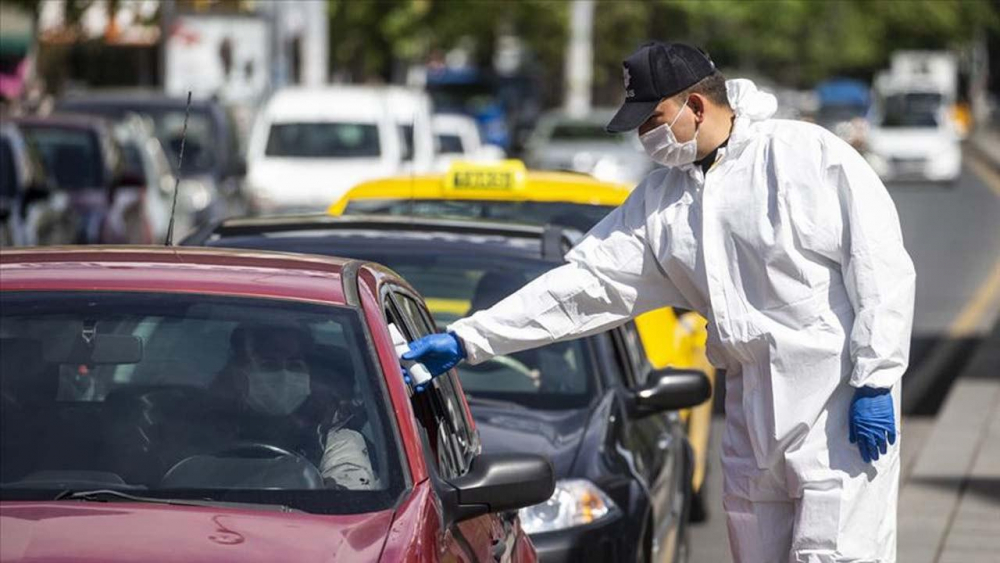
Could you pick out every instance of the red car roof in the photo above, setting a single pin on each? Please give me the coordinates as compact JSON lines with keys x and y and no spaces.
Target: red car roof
{"x":242,"y":273}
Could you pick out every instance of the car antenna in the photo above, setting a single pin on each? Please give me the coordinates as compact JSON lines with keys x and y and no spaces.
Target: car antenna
{"x":177,"y":181}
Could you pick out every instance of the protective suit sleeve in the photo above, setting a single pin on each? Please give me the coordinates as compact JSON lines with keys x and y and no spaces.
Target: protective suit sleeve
{"x":611,"y":276}
{"x":878,"y":272}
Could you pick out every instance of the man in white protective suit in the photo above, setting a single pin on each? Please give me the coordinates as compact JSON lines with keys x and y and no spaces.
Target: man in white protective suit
{"x":783,"y":237}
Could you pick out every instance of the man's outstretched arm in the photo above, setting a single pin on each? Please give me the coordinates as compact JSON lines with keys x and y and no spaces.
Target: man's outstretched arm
{"x":610,"y":276}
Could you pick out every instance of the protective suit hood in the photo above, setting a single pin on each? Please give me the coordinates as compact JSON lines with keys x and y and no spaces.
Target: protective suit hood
{"x":748,"y":102}
{"x":750,"y":106}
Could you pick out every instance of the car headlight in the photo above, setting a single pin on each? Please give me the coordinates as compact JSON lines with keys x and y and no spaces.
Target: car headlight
{"x":575,"y":502}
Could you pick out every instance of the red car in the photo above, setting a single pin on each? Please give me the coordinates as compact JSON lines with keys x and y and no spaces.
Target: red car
{"x":163,"y":404}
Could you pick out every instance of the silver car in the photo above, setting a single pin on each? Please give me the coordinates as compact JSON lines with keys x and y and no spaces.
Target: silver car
{"x":32,"y":211}
{"x":580,"y":144}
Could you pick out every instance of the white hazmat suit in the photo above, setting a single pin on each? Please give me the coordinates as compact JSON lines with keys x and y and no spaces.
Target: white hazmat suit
{"x":790,"y":246}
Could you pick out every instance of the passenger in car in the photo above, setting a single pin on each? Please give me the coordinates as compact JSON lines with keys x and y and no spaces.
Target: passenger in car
{"x":297,"y":396}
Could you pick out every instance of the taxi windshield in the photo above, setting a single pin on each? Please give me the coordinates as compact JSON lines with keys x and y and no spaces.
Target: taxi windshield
{"x":194,"y":397}
{"x":578,"y":216}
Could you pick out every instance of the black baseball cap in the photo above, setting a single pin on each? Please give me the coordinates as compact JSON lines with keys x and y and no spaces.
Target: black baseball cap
{"x":657,"y":70}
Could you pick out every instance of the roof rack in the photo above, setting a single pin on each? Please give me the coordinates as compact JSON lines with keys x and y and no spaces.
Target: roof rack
{"x":555,"y":240}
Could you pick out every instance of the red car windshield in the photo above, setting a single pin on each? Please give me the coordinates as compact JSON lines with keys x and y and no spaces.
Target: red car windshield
{"x":193,"y":396}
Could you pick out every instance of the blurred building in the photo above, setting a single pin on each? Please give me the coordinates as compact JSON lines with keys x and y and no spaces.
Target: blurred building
{"x":236,"y":50}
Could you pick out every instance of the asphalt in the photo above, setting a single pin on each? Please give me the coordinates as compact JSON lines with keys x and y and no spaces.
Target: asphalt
{"x":949,"y":506}
{"x":952,"y":233}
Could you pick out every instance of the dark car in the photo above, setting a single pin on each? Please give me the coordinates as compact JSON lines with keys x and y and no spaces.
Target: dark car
{"x":82,"y":158}
{"x":213,"y":162}
{"x":593,"y":405}
{"x":177,"y":405}
{"x":32,"y":212}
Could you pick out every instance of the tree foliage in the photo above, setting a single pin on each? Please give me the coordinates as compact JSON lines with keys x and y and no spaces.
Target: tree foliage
{"x":368,"y":38}
{"x":795,"y":42}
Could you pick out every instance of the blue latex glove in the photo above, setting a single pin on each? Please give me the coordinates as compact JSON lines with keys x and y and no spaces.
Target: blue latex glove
{"x":437,"y":352}
{"x":873,"y":422}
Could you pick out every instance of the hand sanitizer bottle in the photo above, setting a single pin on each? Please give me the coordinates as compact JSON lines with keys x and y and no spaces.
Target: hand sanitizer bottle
{"x":418,"y":372}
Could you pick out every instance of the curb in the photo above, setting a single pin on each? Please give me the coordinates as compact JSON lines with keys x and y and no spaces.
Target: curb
{"x":979,"y":143}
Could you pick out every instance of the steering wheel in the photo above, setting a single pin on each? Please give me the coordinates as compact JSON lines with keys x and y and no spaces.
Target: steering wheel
{"x":297,"y":464}
{"x":508,"y":362}
{"x":260,"y":448}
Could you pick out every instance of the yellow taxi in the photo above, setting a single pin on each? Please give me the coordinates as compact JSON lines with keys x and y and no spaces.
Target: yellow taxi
{"x":506,"y":190}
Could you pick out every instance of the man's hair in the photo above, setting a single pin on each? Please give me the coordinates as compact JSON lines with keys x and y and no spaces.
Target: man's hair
{"x":712,"y":87}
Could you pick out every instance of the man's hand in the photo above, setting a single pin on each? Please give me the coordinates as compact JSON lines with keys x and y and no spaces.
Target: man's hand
{"x":872,"y":422}
{"x":437,"y":352}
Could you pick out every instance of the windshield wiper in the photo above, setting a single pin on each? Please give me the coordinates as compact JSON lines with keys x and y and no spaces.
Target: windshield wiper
{"x":111,"y":495}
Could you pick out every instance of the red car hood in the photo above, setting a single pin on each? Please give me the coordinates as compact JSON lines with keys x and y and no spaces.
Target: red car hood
{"x":110,"y":533}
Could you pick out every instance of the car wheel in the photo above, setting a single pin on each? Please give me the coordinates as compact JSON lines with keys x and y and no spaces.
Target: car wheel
{"x":699,"y":508}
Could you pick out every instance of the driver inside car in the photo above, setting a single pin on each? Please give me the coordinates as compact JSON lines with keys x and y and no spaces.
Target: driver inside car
{"x":295,"y":396}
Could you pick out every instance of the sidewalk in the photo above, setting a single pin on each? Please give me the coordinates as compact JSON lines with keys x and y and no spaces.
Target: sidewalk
{"x":949,"y":507}
{"x":986,"y":141}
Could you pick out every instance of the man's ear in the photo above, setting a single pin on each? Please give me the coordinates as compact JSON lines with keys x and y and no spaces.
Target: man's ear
{"x":697,"y":104}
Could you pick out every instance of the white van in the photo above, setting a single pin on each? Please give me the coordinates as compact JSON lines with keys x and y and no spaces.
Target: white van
{"x":309,"y":146}
{"x":912,"y":135}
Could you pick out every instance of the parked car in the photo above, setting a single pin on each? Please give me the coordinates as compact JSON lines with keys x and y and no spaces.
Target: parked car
{"x":508,"y":191}
{"x":595,"y":406}
{"x":309,"y":146}
{"x":83,"y":159}
{"x":913,"y":136}
{"x":580,"y":144}
{"x":457,"y":138}
{"x":145,"y":162}
{"x":32,"y":211}
{"x":214,"y":165}
{"x":168,"y":404}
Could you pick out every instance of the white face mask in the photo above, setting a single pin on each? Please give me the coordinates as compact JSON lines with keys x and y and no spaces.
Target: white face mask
{"x":663,"y":147}
{"x":277,"y":393}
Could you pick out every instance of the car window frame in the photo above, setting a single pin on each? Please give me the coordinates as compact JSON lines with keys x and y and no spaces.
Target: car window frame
{"x":450,"y":384}
{"x":631,"y":358}
{"x":429,"y":405}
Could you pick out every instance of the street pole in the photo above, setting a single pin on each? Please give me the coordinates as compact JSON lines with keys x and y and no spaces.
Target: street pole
{"x":580,"y":58}
{"x":168,"y":10}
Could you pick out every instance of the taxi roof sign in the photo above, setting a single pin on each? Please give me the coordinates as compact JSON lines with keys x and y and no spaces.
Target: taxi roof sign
{"x":502,"y":176}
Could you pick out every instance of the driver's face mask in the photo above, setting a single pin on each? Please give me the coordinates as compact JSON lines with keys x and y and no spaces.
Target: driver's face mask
{"x":277,"y":390}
